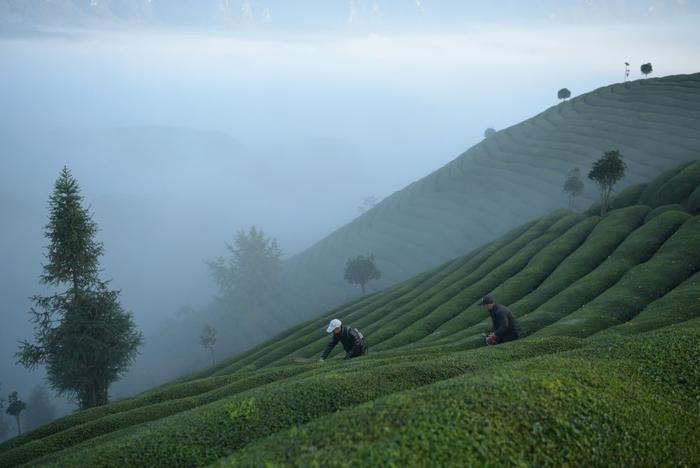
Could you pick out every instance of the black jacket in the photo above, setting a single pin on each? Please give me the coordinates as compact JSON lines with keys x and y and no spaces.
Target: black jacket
{"x":505,"y":327}
{"x":353,"y":342}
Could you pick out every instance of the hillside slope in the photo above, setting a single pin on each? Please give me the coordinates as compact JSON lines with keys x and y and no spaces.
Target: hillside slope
{"x":507,"y":179}
{"x":606,"y":374}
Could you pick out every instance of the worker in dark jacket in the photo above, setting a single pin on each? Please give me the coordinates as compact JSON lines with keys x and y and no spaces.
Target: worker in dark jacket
{"x":505,"y":327}
{"x":354,"y":343}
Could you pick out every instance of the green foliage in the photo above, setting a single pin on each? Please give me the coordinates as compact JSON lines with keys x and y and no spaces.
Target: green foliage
{"x":662,"y":209}
{"x":646,"y":69}
{"x":678,"y":258}
{"x":73,"y":254}
{"x":250,"y":274}
{"x":208,"y":339}
{"x":648,"y":196}
{"x":587,"y":407}
{"x":573,"y":186}
{"x":637,"y":248}
{"x":489,"y":132}
{"x":15,"y":406}
{"x":628,"y":197}
{"x":694,"y":201}
{"x":189,"y":437}
{"x":361,"y":270}
{"x":679,"y":188}
{"x":82,"y":335}
{"x":606,"y":172}
{"x":563,"y":94}
{"x":679,"y":305}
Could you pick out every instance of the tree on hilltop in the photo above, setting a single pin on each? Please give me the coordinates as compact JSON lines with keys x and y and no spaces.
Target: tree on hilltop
{"x":564,"y":94}
{"x":606,"y":172}
{"x":361,"y":270}
{"x":82,"y":335}
{"x":646,"y":69}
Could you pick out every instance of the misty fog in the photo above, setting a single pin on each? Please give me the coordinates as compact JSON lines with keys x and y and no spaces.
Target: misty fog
{"x":182,"y":133}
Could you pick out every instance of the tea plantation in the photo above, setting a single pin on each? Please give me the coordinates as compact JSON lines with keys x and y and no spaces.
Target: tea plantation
{"x":505,"y":180}
{"x":607,"y":373}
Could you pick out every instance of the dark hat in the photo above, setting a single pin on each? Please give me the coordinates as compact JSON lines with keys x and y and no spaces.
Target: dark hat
{"x":485,"y":300}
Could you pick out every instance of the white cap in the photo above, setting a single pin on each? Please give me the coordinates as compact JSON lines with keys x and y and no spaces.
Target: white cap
{"x":335,"y":323}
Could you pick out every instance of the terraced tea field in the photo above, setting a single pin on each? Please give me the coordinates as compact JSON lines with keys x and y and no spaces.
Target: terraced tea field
{"x":608,"y":372}
{"x":505,"y":180}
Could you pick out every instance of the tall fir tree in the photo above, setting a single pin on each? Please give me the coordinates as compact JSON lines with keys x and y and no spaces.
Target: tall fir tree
{"x":82,"y":335}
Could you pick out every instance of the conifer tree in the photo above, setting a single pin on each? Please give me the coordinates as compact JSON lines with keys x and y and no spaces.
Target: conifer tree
{"x":82,"y":335}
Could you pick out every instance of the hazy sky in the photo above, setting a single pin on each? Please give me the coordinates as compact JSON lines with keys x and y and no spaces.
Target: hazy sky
{"x":299,"y":111}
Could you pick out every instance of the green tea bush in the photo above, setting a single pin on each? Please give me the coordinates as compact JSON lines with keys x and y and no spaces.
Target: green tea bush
{"x":679,"y":305}
{"x":493,"y":270}
{"x":607,"y":235}
{"x":677,"y":259}
{"x":649,"y":195}
{"x":627,"y":197}
{"x":541,"y":262}
{"x":120,"y":417}
{"x":639,"y":247}
{"x":678,"y":189}
{"x":694,"y":201}
{"x":662,"y":209}
{"x":588,"y":407}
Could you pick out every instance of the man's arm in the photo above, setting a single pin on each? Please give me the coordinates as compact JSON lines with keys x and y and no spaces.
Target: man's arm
{"x":329,"y":347}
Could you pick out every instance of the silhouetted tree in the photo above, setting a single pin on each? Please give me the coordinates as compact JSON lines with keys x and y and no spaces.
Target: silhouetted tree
{"x":361,"y":270}
{"x":15,"y":406}
{"x":250,"y":274}
{"x":646,"y":69}
{"x":208,"y":340}
{"x":606,"y":172}
{"x":82,"y":335}
{"x":564,"y":94}
{"x":573,"y":186}
{"x":627,"y":70}
{"x":489,"y":132}
{"x":4,"y":427}
{"x":39,"y":408}
{"x":367,"y":204}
